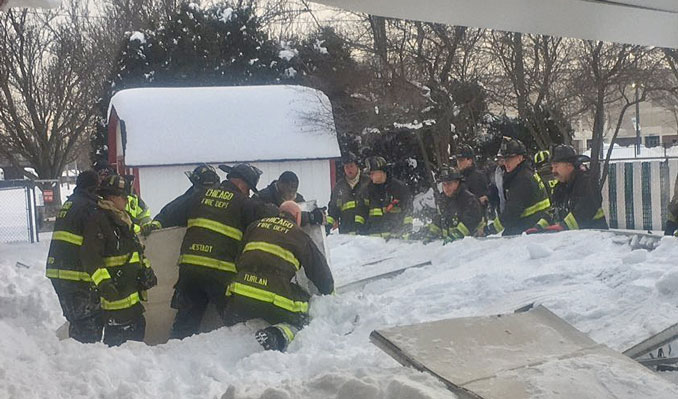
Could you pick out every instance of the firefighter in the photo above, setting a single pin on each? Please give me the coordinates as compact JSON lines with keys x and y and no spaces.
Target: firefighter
{"x":78,"y":296}
{"x":342,"y":209}
{"x":672,"y":213}
{"x":385,"y":204}
{"x":216,"y":219}
{"x":475,"y":181}
{"x":285,"y":189}
{"x":461,"y":213}
{"x":577,"y":201}
{"x":139,"y":212}
{"x":274,"y":249}
{"x":527,"y":200}
{"x":113,"y":256}
{"x":136,"y":207}
{"x":542,"y":162}
{"x":201,"y":178}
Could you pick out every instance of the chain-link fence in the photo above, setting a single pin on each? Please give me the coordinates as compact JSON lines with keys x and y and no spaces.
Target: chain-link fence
{"x":18,"y":219}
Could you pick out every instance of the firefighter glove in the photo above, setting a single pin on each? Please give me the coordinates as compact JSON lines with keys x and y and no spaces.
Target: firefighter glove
{"x":108,"y":290}
{"x":147,"y":278}
{"x":149,"y":227}
{"x":316,"y":216}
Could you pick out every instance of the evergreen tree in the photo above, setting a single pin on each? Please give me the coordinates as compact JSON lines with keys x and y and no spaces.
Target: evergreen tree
{"x":223,"y":45}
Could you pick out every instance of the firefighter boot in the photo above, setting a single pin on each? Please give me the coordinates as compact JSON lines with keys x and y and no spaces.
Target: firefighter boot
{"x":276,"y":337}
{"x":271,"y":338}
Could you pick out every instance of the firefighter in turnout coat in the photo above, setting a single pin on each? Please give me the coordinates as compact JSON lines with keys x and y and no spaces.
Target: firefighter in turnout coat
{"x":286,"y":189}
{"x":114,"y":258}
{"x":672,"y":213}
{"x":475,"y":181}
{"x":202,"y":177}
{"x":461,"y":213}
{"x":577,"y":202}
{"x":273,"y":250}
{"x":216,"y":219}
{"x":139,"y":212}
{"x":77,"y":294}
{"x":281,"y":190}
{"x":542,"y":163}
{"x":343,"y":206}
{"x":385,"y":203}
{"x":527,"y":199}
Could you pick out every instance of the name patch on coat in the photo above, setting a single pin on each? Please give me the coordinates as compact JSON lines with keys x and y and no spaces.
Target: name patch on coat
{"x":250,"y":278}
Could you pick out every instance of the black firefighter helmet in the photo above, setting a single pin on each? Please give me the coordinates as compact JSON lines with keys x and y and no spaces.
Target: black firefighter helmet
{"x":114,"y":185}
{"x":376,"y":163}
{"x":567,"y":153}
{"x":465,"y":151}
{"x":449,"y":174}
{"x":541,"y":158}
{"x":87,"y":180}
{"x":250,"y":174}
{"x":349,"y":158}
{"x":203,"y":175}
{"x":511,"y":147}
{"x":103,"y":168}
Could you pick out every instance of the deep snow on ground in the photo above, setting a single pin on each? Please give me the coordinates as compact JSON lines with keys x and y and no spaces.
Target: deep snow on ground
{"x":617,"y":295}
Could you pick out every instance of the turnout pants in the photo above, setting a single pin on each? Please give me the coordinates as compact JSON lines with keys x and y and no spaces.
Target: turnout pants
{"x":197,"y":287}
{"x":80,"y":306}
{"x":241,"y":308}
{"x":118,"y":332}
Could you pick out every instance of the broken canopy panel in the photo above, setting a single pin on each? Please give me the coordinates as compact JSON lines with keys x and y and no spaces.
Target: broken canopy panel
{"x":524,"y":355}
{"x":646,"y":22}
{"x":7,"y":4}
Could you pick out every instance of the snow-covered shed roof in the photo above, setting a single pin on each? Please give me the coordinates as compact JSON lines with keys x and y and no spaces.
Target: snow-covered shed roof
{"x":644,"y":22}
{"x":170,"y":126}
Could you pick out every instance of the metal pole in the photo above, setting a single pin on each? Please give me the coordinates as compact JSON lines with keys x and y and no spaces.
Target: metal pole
{"x":29,"y":215}
{"x":637,"y":122}
{"x":35,"y":217}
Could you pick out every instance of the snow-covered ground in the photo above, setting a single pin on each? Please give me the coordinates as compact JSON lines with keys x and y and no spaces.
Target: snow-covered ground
{"x":617,"y":295}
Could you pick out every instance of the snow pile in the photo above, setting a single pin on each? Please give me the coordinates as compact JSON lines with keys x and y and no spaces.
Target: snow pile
{"x":584,"y":277}
{"x":591,"y":376}
{"x":668,"y":284}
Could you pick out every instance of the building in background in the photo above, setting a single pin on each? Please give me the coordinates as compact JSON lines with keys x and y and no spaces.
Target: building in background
{"x":658,"y":129}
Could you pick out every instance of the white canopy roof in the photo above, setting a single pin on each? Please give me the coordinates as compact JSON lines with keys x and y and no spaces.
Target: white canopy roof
{"x":7,"y":4}
{"x":170,"y":126}
{"x":644,"y":22}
